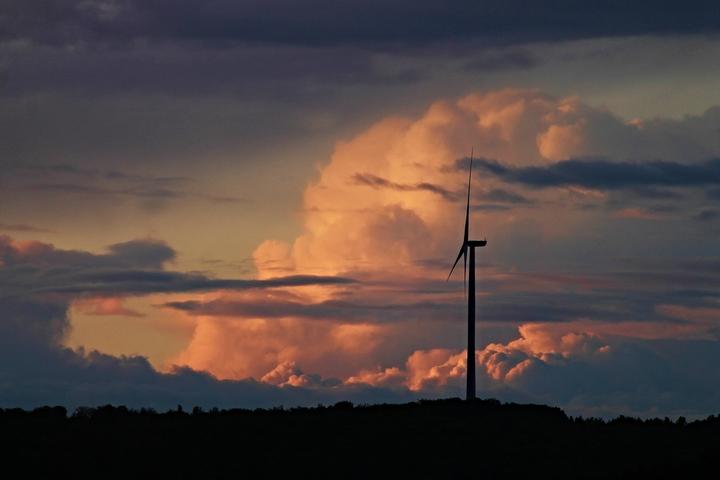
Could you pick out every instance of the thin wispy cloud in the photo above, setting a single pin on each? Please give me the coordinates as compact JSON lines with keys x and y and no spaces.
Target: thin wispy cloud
{"x":71,"y":179}
{"x":377,"y":182}
{"x":135,"y":192}
{"x":23,"y":228}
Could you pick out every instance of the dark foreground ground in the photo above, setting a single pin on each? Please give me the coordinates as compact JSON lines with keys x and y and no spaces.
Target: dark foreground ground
{"x":427,"y":439}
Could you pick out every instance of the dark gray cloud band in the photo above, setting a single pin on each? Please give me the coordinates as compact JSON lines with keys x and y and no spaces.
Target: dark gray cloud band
{"x":497,"y":195}
{"x":605,"y":174}
{"x":130,"y":268}
{"x":368,"y":23}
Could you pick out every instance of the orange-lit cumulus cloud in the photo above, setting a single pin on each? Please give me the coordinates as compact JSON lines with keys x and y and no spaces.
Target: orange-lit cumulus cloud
{"x":238,"y":345}
{"x":383,"y":201}
{"x":104,"y":306}
{"x":538,"y":343}
{"x":388,"y":205}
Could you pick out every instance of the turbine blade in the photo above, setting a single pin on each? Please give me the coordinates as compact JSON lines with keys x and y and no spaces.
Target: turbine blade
{"x":467,"y":223}
{"x":467,"y":205}
{"x":461,"y":254}
{"x":466,"y":233}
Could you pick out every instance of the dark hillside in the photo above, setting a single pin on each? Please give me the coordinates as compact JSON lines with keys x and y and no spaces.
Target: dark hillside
{"x":426,"y":439}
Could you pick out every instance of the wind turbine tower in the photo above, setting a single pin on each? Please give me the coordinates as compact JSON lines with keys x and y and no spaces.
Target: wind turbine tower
{"x":468,"y":246}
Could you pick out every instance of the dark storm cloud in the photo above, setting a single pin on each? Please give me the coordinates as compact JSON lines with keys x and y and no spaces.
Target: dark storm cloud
{"x":606,"y":175}
{"x":323,"y":22}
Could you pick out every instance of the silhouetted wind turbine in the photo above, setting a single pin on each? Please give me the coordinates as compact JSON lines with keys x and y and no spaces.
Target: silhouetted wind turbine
{"x":470,"y":245}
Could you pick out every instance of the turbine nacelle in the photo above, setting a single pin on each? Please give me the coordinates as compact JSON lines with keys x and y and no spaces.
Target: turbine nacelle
{"x":476,"y":243}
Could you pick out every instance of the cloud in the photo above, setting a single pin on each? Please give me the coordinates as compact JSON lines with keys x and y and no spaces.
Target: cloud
{"x":708,"y":215}
{"x":130,"y":268}
{"x":656,"y":193}
{"x":356,"y":23}
{"x":273,"y":307}
{"x":507,"y":298}
{"x":21,"y":227}
{"x":237,"y":348}
{"x":105,"y":306}
{"x":303,"y":324}
{"x":68,"y":170}
{"x":502,"y":196}
{"x":92,"y":378}
{"x":411,"y":164}
{"x":428,"y":369}
{"x":494,"y":195}
{"x":583,"y":368}
{"x":72,"y":179}
{"x":377,"y":182}
{"x":713,"y":194}
{"x":288,"y":374}
{"x":37,"y":370}
{"x":605,"y":174}
{"x":141,"y":192}
{"x":572,"y":326}
{"x":388,"y":377}
{"x":509,"y":60}
{"x":575,"y":328}
{"x":189,"y":69}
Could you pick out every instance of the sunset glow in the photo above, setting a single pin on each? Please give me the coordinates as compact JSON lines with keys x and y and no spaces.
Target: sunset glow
{"x":252,"y":219}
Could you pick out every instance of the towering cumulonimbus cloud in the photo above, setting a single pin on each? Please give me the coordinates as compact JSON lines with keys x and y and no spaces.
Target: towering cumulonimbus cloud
{"x":385,"y":198}
{"x":385,"y":208}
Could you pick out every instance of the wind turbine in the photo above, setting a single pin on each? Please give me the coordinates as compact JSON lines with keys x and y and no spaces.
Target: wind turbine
{"x":469,"y":245}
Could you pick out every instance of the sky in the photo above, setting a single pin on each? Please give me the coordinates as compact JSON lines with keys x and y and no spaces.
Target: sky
{"x":257,"y":203}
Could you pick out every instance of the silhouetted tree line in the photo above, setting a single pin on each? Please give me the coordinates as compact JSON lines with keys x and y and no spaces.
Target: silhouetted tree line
{"x":424,"y":439}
